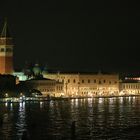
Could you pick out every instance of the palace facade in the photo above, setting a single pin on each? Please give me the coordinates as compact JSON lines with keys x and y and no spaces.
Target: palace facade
{"x":87,"y":85}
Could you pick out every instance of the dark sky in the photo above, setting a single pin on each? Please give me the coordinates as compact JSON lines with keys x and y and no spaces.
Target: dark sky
{"x":75,"y":34}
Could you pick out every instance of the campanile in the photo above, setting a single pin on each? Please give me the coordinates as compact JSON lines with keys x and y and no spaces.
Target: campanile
{"x":6,"y":51}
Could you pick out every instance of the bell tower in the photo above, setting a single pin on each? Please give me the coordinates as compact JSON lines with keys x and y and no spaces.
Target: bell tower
{"x":6,"y":51}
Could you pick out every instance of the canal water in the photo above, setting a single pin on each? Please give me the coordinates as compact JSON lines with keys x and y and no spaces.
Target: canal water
{"x":75,"y":119}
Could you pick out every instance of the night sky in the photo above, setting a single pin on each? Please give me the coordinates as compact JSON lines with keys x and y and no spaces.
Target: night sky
{"x":75,"y":35}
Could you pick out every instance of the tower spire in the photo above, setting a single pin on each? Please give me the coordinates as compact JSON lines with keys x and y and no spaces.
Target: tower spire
{"x":5,"y":31}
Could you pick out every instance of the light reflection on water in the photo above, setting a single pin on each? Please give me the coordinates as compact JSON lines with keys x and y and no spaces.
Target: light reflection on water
{"x":96,"y":118}
{"x":21,"y":121}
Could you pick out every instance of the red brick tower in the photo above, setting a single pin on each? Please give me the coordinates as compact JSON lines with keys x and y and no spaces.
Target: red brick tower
{"x":6,"y":51}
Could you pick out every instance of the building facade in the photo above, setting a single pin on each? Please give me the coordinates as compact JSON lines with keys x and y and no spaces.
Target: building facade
{"x":130,"y":86}
{"x":87,"y":85}
{"x":46,"y":87}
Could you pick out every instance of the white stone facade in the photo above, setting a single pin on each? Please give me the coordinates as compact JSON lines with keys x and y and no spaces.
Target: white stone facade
{"x":87,"y":85}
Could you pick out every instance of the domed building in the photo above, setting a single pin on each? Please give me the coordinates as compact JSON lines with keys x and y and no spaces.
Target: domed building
{"x":45,"y":70}
{"x":37,"y":70}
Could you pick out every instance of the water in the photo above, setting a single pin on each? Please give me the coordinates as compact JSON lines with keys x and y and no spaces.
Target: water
{"x":95,"y":119}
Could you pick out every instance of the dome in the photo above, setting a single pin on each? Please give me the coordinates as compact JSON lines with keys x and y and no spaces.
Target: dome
{"x":36,"y":70}
{"x":45,"y":70}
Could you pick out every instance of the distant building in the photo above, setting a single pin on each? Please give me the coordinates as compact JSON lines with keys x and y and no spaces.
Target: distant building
{"x":130,"y":86}
{"x":46,"y":86}
{"x":76,"y":85}
{"x":6,"y":51}
{"x":20,"y":76}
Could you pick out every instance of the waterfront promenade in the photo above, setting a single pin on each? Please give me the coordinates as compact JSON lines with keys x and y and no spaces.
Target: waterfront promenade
{"x":18,"y":100}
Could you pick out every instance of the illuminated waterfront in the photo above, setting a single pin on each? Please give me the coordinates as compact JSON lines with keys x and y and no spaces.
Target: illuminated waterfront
{"x":98,"y":118}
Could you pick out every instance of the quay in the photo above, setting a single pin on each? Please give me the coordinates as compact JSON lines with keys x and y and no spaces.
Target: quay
{"x":28,"y":99}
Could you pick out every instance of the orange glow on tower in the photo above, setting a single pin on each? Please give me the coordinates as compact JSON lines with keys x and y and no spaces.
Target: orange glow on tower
{"x":6,"y":51}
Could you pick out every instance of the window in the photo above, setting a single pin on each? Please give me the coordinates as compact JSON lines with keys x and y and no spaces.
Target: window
{"x":8,"y":50}
{"x":82,"y":81}
{"x":74,"y":81}
{"x":95,"y":81}
{"x":104,"y":81}
{"x":99,"y":82}
{"x":68,"y":80}
{"x":88,"y":81}
{"x":109,"y":82}
{"x":2,"y":50}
